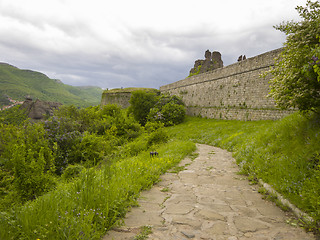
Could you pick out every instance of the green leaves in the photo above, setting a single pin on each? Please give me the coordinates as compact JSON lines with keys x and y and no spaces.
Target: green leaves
{"x":295,"y":82}
{"x":140,"y":104}
{"x":146,"y":106}
{"x":168,"y":110}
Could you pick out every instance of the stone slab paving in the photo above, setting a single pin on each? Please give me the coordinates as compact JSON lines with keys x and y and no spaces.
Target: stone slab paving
{"x":207,"y":201}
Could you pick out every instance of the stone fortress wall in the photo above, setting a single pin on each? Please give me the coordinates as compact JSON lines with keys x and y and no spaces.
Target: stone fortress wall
{"x":232,"y":92}
{"x":121,"y":96}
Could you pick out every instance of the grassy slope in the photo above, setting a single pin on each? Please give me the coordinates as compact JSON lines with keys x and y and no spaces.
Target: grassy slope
{"x":91,"y":205}
{"x":283,"y":153}
{"x":17,"y":83}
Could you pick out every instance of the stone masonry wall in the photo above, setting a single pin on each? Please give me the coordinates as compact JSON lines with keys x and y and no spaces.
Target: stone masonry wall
{"x":119,"y":98}
{"x":232,"y":92}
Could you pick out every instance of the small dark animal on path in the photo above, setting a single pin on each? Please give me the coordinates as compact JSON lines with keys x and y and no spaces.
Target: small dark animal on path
{"x":153,"y":154}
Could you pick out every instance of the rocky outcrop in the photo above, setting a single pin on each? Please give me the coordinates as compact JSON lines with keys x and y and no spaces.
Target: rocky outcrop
{"x":212,"y":61}
{"x":38,"y":109}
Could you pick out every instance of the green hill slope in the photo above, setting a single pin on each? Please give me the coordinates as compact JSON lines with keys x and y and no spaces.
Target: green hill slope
{"x":17,"y":84}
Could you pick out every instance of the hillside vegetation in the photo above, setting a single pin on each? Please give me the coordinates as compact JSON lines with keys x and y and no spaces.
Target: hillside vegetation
{"x":17,"y":84}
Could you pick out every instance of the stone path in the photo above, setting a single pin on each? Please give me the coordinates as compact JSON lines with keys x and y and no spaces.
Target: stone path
{"x":207,"y":201}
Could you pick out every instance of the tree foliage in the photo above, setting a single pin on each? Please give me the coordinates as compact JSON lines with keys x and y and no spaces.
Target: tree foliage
{"x":169,"y":110}
{"x":140,"y":104}
{"x":149,"y":107}
{"x":296,"y":81}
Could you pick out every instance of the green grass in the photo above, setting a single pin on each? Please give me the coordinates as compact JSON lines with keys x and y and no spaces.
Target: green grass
{"x":283,"y":153}
{"x":88,"y":207}
{"x":17,"y":84}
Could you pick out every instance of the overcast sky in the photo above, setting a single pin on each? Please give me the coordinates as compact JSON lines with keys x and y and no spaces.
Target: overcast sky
{"x":135,"y":43}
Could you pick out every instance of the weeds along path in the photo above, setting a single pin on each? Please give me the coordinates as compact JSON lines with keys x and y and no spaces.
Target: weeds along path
{"x":206,"y":200}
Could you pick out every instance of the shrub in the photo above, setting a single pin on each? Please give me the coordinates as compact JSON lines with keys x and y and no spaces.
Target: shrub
{"x":13,"y":115}
{"x":157,"y":137}
{"x":173,"y":114}
{"x":90,"y":150}
{"x":169,"y":110}
{"x":31,"y":177}
{"x":135,"y":147}
{"x":111,"y":110}
{"x":72,"y":171}
{"x":152,"y":126}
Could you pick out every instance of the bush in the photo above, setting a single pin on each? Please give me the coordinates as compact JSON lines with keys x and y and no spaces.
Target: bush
{"x":13,"y":115}
{"x":169,"y":110}
{"x":90,"y":150}
{"x":72,"y":171}
{"x":157,"y":137}
{"x":30,"y":174}
{"x":135,"y":147}
{"x":153,"y":126}
{"x":111,"y":110}
{"x":173,"y":114}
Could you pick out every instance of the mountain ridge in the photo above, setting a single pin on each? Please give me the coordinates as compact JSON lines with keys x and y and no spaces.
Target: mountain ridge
{"x":18,"y":83}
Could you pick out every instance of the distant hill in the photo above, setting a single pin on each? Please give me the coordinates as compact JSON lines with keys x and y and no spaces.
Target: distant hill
{"x":17,"y":84}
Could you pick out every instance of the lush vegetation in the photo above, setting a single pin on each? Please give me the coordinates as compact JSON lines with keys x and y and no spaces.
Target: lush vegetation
{"x":75,"y":175}
{"x":296,"y":74}
{"x":283,"y":153}
{"x":151,"y":107}
{"x":84,"y":168}
{"x":17,"y":84}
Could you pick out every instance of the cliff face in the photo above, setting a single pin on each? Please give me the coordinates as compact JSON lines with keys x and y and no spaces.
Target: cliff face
{"x":212,"y":61}
{"x":121,"y":97}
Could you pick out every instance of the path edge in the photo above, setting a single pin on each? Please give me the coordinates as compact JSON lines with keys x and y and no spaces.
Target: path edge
{"x":296,"y":211}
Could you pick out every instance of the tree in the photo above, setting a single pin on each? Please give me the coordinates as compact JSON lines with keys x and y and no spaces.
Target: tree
{"x":296,"y":82}
{"x":140,"y":104}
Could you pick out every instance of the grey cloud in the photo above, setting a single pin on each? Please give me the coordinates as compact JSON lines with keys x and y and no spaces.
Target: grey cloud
{"x":141,"y":57}
{"x":155,"y":70}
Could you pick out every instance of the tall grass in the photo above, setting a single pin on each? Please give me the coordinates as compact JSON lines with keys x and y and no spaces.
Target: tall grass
{"x":284,"y":153}
{"x":89,"y":206}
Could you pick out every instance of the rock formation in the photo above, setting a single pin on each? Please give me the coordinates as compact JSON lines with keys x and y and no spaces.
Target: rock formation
{"x":39,"y":109}
{"x":212,"y":61}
